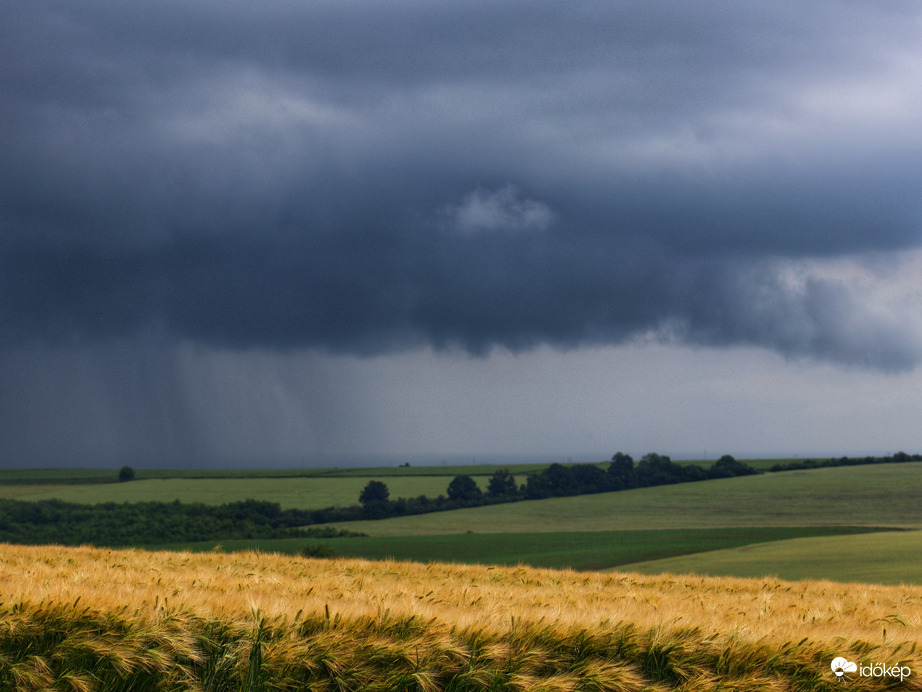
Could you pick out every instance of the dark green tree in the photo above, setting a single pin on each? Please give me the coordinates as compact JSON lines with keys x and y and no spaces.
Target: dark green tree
{"x":502,"y":484}
{"x":464,"y":489}
{"x":692,"y":472}
{"x":589,"y":478}
{"x":126,"y":473}
{"x":374,"y":491}
{"x":621,"y":471}
{"x":658,"y":469}
{"x":560,"y":480}
{"x":374,"y":499}
{"x":727,"y":467}
{"x":536,"y":486}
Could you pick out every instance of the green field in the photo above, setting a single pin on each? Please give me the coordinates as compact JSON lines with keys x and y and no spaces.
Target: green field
{"x":588,"y":550}
{"x":879,"y":495}
{"x":883,"y":558}
{"x":782,"y":524}
{"x":290,"y":493}
{"x":67,"y":476}
{"x":291,"y":488}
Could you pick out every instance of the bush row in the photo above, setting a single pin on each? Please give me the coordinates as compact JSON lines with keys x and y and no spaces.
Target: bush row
{"x":140,"y":523}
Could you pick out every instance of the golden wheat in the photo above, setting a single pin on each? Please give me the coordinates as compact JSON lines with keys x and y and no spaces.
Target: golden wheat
{"x":84,"y":618}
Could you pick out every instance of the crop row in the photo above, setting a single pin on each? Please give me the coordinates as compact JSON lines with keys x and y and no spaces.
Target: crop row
{"x":68,"y":647}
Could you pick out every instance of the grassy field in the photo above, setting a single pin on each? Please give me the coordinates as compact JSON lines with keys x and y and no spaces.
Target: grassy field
{"x":113,"y":620}
{"x":66,"y":476}
{"x":291,"y":488}
{"x":589,"y":550}
{"x":589,"y":531}
{"x":85,"y":619}
{"x":882,"y":558}
{"x":296,"y":493}
{"x":880,"y":495}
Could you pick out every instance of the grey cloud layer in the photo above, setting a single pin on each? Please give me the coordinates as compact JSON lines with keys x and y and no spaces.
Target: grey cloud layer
{"x":371,"y":176}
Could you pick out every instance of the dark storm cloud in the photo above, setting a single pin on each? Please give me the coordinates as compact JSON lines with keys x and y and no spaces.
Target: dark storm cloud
{"x":370,"y":176}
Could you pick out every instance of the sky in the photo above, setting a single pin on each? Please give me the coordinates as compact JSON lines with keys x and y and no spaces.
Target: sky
{"x":287,"y":233}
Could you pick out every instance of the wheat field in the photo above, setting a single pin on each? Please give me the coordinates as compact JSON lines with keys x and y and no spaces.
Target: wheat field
{"x":92,"y":619}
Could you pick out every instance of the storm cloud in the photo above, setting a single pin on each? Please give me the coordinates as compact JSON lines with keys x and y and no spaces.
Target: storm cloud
{"x":369,"y":177}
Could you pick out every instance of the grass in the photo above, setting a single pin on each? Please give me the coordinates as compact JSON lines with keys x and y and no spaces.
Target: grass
{"x":590,"y":550}
{"x":882,"y":558}
{"x":880,"y":495}
{"x":43,"y":476}
{"x":292,"y":488}
{"x":84,"y":619}
{"x":596,"y":531}
{"x":68,"y":476}
{"x":296,"y":493}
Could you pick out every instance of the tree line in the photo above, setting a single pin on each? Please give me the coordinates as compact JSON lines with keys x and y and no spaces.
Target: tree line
{"x":556,"y":480}
{"x":150,"y":523}
{"x":898,"y":458}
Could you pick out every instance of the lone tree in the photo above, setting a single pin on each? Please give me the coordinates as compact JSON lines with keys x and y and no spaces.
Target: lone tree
{"x":126,"y":473}
{"x":464,"y":488}
{"x":374,"y":491}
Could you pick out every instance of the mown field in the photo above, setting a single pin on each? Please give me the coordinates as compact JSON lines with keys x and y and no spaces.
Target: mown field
{"x":88,"y":619}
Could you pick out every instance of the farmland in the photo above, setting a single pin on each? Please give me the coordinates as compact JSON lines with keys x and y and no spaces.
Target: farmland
{"x":883,"y":558}
{"x":81,"y":618}
{"x":685,"y":522}
{"x":295,"y":493}
{"x":883,"y":495}
{"x":676,"y":528}
{"x":586,"y":550}
{"x":292,"y":488}
{"x":64,"y":476}
{"x":445,"y":601}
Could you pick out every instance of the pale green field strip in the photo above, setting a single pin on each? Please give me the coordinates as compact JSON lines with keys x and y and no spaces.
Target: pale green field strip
{"x":879,"y":495}
{"x":295,"y":493}
{"x":881,"y":558}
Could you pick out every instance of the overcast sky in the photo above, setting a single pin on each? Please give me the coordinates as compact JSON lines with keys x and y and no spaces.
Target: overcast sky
{"x":235,"y":232}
